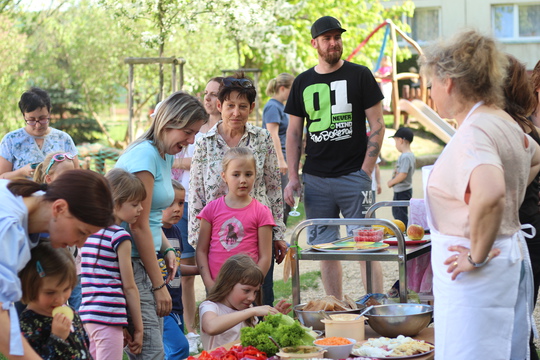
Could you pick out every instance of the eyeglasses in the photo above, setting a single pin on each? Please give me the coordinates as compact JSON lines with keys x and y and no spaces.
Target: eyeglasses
{"x":58,"y":158}
{"x":43,"y":120}
{"x":230,"y":81}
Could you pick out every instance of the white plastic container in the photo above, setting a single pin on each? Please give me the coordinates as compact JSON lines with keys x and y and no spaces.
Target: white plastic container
{"x":337,"y":351}
{"x":308,"y":352}
{"x":344,"y":325}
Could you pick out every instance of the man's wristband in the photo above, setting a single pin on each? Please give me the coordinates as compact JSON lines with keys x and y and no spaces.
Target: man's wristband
{"x":477,"y":265}
{"x":158,"y":287}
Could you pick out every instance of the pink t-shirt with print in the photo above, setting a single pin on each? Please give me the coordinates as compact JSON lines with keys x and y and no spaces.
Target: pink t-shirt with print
{"x":234,"y":231}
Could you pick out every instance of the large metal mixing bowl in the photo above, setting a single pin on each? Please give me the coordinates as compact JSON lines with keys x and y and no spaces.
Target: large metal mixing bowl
{"x":313,"y":318}
{"x":392,"y":320}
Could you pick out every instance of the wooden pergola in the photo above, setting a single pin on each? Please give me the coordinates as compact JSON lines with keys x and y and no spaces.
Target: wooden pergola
{"x":177,"y":79}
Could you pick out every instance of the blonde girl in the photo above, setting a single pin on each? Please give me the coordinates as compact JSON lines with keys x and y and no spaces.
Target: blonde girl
{"x":229,"y":305}
{"x":47,"y":281}
{"x":108,"y":285}
{"x":49,"y":169}
{"x":234,"y":223}
{"x":52,"y":166}
{"x":276,"y":121}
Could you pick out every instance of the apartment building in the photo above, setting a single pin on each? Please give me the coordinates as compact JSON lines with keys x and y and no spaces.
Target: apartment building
{"x":516,"y":24}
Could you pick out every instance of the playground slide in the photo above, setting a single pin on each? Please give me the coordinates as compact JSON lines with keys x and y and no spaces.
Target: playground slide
{"x":429,"y":118}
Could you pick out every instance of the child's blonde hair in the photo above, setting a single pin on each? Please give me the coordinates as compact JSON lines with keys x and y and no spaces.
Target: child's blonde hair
{"x":46,"y":261}
{"x":237,"y":153}
{"x":177,"y":185}
{"x":239,"y":268}
{"x":39,"y":172}
{"x":125,"y":186}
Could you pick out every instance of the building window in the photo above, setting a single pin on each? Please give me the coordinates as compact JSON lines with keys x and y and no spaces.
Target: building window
{"x":516,"y":21}
{"x":425,"y":24}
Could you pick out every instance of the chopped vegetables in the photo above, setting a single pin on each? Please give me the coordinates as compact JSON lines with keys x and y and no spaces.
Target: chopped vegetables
{"x":235,"y":353}
{"x":285,"y":330}
{"x":333,"y":341}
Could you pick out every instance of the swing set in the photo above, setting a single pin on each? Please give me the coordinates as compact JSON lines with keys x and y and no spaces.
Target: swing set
{"x":390,"y":32}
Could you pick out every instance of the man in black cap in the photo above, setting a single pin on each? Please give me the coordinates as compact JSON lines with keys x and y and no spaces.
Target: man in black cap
{"x":335,"y":97}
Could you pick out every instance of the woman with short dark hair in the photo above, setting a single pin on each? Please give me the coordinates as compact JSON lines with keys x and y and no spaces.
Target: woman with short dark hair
{"x":22,"y":149}
{"x":236,"y":101}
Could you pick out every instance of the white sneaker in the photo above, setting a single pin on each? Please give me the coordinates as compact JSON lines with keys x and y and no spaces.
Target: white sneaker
{"x":194,"y":341}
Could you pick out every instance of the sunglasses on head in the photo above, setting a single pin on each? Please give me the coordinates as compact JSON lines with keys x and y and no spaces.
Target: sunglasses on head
{"x":58,"y":158}
{"x":245,"y":83}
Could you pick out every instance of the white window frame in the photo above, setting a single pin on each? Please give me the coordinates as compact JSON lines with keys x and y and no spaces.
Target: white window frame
{"x":407,"y":20}
{"x":515,"y":38}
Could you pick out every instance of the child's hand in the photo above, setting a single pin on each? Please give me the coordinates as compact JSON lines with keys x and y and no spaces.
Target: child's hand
{"x":135,"y":346}
{"x":61,"y":326}
{"x":127,"y":337}
{"x":264,"y":310}
{"x":283,"y":307}
{"x":379,"y":189}
{"x":172,"y":265}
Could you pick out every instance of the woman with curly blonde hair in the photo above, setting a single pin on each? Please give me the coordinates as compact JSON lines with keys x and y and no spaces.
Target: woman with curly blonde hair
{"x":482,"y":278}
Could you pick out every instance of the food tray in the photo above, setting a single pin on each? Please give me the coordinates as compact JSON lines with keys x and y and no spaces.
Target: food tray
{"x":348,"y":245}
{"x":395,"y":357}
{"x":393,"y":240}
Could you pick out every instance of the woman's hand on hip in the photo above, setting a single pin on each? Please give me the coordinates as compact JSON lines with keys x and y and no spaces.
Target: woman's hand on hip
{"x":163,"y":302}
{"x":459,"y":262}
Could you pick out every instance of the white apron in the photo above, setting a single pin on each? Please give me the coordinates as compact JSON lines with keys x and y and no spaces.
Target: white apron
{"x":485,"y":313}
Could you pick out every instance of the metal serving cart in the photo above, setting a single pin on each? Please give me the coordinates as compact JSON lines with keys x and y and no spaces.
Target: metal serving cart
{"x":399,"y":253}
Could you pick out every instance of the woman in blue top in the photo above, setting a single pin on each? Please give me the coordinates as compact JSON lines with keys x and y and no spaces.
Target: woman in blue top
{"x":77,"y":204}
{"x":27,"y":146}
{"x":150,"y":158}
{"x":276,"y":121}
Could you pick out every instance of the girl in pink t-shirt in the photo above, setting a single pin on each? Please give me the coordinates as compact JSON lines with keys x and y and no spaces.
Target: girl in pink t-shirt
{"x":229,"y":305}
{"x":235,"y":223}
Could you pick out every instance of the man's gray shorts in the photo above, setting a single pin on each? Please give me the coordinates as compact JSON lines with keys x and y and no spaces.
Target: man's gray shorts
{"x":349,"y":195}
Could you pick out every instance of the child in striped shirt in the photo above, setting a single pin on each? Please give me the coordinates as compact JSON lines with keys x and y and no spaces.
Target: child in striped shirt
{"x":108,"y":284}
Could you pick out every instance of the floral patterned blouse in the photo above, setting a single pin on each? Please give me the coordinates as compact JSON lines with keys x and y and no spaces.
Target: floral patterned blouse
{"x":20,"y":148}
{"x":206,"y":184}
{"x":36,"y":329}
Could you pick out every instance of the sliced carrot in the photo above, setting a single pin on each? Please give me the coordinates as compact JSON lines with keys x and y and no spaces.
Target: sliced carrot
{"x":333,"y":341}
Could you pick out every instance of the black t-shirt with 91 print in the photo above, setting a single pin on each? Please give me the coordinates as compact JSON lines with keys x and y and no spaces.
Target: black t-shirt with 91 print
{"x":334,"y":108}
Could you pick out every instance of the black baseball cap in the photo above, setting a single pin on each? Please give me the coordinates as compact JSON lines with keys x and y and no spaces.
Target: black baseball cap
{"x":324,"y":24}
{"x":404,"y":133}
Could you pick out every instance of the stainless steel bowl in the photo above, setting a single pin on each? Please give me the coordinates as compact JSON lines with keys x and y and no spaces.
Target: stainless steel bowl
{"x":392,"y":320}
{"x":313,"y":318}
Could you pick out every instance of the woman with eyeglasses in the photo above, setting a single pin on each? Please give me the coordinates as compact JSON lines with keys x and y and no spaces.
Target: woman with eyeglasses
{"x":22,"y":149}
{"x":236,"y":101}
{"x":150,"y":158}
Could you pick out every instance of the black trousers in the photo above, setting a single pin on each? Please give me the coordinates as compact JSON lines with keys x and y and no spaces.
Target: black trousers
{"x":402,"y":212}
